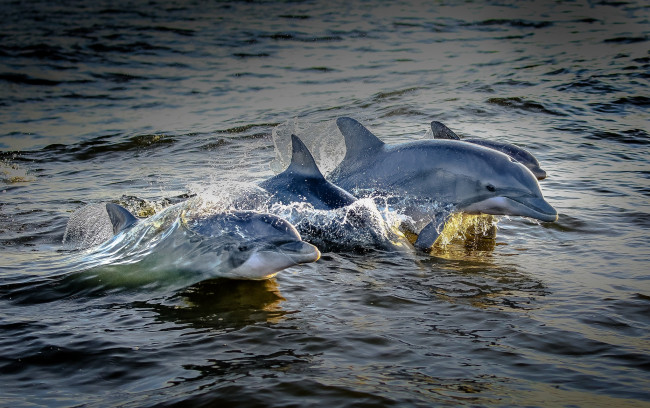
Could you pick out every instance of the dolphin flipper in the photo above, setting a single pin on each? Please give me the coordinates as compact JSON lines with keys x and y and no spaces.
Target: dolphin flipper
{"x":359,"y":141}
{"x":441,"y":131}
{"x":120,"y":217}
{"x":427,"y":237}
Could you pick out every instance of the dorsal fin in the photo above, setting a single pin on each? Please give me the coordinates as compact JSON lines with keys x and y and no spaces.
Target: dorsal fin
{"x":120,"y":217}
{"x":441,"y":131}
{"x":358,"y":140}
{"x":302,"y":162}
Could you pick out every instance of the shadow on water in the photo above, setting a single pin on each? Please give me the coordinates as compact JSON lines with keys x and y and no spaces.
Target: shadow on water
{"x":466,"y":266}
{"x":83,"y":341}
{"x":221,"y":304}
{"x":482,"y":283}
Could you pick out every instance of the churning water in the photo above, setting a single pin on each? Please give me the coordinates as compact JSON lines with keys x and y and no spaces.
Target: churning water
{"x":151,"y":102}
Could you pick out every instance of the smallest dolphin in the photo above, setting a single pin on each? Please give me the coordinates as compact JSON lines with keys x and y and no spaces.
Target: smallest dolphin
{"x":524,"y":157}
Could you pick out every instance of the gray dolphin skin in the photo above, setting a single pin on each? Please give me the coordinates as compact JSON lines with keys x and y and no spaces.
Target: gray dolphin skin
{"x":333,"y":219}
{"x":190,"y":245}
{"x":464,"y":176}
{"x":302,"y":181}
{"x":523,"y":156}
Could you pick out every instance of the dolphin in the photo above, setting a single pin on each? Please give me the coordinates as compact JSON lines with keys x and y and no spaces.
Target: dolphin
{"x":302,"y":181}
{"x":439,"y":176}
{"x":323,"y":213}
{"x":523,"y":156}
{"x":192,"y":245}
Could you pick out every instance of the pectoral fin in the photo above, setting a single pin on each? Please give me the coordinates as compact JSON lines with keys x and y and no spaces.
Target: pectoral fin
{"x":427,"y":237}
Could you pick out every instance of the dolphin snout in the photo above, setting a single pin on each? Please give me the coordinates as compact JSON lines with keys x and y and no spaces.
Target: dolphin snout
{"x":541,"y":209}
{"x":300,"y":251}
{"x":539,"y":173}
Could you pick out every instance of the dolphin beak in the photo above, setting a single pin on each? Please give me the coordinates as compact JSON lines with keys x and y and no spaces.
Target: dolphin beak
{"x":539,"y":173}
{"x":534,"y":207}
{"x":300,"y":252}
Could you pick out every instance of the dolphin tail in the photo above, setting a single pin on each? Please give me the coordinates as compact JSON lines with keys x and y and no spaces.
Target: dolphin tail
{"x":120,"y":217}
{"x":441,"y":131}
{"x":358,"y":140}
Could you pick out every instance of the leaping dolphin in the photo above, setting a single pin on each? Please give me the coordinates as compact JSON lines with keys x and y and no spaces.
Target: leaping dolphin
{"x":192,"y":246}
{"x":470,"y":178}
{"x":523,"y":156}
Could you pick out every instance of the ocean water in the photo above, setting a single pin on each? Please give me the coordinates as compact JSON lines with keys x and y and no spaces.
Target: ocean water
{"x":148,"y":103}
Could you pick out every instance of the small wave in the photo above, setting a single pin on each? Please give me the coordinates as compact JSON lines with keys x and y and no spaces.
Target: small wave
{"x":298,"y":36}
{"x":185,"y":32}
{"x":118,"y":77}
{"x":394,"y":95}
{"x":514,"y":23}
{"x":621,"y":104}
{"x":251,"y":55}
{"x":625,"y":40}
{"x":630,"y":136}
{"x":392,"y":111}
{"x":524,"y":105}
{"x":319,"y":69}
{"x":102,"y":145}
{"x":24,"y":79}
{"x":41,"y":51}
{"x":246,"y":128}
{"x":295,"y":16}
{"x":126,"y":48}
{"x":591,"y":86}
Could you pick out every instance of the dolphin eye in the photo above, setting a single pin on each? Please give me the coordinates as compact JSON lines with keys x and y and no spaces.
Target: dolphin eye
{"x":491,"y":188}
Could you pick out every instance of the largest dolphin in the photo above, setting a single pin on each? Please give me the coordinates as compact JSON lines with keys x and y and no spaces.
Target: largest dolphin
{"x":443,"y":173}
{"x":186,"y":243}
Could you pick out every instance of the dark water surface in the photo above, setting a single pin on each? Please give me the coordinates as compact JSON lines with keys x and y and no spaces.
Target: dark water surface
{"x":148,"y":101}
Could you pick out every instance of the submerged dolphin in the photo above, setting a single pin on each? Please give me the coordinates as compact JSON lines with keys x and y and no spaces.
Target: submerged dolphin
{"x":524,"y":157}
{"x":302,"y":181}
{"x":324,"y":214}
{"x":191,"y":246}
{"x":427,"y":173}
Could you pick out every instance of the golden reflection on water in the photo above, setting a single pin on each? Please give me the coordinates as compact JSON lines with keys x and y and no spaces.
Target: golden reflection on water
{"x":464,"y":235}
{"x":235,"y":301}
